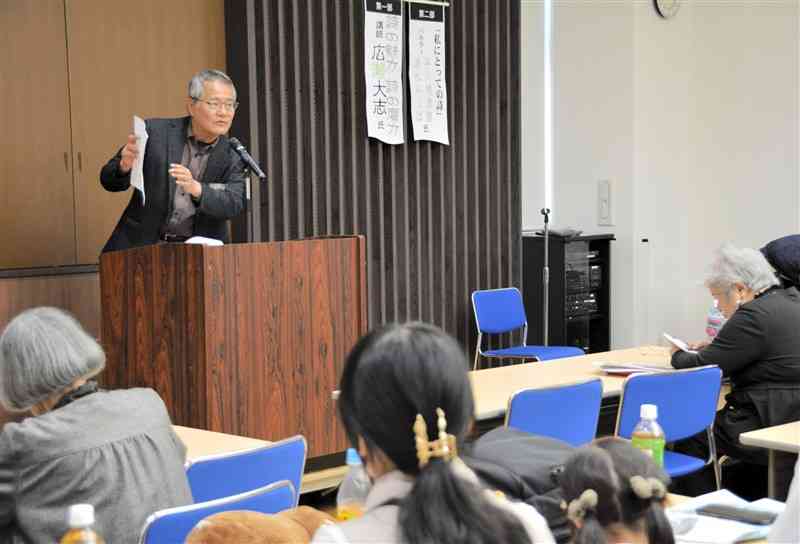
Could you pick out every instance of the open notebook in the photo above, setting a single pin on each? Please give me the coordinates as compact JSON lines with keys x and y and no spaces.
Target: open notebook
{"x":691,"y":527}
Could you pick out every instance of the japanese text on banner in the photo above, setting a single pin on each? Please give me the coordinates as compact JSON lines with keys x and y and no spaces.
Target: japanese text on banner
{"x":383,"y":69}
{"x":426,"y":55}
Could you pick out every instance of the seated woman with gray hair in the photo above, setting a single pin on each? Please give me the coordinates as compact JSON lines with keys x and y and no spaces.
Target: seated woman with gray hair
{"x":115,"y":450}
{"x":758,"y":348}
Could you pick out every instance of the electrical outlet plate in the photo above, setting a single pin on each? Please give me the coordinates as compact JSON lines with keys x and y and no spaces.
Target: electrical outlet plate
{"x":604,"y":216}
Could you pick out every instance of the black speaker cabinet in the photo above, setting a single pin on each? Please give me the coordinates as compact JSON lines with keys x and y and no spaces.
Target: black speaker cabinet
{"x":580,"y":279}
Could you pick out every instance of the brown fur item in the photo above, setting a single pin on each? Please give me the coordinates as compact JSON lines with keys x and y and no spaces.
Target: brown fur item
{"x":244,"y":527}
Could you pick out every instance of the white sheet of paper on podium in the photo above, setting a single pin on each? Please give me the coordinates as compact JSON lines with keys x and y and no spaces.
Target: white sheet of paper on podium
{"x":137,"y":175}
{"x":204,"y":241}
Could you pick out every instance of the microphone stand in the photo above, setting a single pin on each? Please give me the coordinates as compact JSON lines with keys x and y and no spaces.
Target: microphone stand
{"x":546,"y":276}
{"x":252,"y":191}
{"x":253,"y":204}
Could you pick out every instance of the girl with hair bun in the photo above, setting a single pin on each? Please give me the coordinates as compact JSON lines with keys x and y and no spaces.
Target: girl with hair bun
{"x":406,"y":404}
{"x":613,"y":493}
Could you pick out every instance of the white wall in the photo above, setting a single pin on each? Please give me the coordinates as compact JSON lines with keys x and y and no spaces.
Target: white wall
{"x":532,"y":112}
{"x":695,"y":121}
{"x":716,"y":149}
{"x":593,"y":130}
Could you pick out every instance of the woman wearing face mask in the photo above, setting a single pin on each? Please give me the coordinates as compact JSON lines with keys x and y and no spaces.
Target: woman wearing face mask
{"x":758,"y":348}
{"x":406,"y":403}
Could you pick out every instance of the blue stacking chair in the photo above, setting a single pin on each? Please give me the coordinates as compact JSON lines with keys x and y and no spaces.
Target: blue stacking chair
{"x":227,"y":474}
{"x":687,"y":404}
{"x":499,"y":311}
{"x":565,"y":412}
{"x":173,"y":525}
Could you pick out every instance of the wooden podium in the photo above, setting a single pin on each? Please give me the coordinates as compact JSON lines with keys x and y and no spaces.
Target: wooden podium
{"x":247,"y":339}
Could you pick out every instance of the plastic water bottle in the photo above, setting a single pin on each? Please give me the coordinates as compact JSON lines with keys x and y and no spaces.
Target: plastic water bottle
{"x":354,"y":488}
{"x":714,"y":322}
{"x":648,"y":436}
{"x":80,"y":519}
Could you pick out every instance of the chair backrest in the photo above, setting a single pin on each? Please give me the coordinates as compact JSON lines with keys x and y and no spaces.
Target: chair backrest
{"x":686,"y":400}
{"x":174,"y":524}
{"x":229,"y":474}
{"x":498,"y":310}
{"x":567,"y":412}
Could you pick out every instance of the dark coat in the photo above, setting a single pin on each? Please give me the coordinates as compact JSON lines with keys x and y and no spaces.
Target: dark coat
{"x":223,"y":182}
{"x":758,"y":348}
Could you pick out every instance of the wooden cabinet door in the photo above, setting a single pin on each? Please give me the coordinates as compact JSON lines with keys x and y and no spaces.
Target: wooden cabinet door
{"x":125,"y":59}
{"x":37,"y":221}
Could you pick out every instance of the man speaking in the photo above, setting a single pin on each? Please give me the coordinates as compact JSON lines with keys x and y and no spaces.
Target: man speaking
{"x":194,"y":181}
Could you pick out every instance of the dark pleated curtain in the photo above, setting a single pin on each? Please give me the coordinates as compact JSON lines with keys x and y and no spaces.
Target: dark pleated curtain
{"x":440,"y":221}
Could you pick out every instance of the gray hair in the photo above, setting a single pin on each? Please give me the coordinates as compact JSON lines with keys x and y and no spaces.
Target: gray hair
{"x":197,"y":83}
{"x":42,"y":352}
{"x":733,"y":265}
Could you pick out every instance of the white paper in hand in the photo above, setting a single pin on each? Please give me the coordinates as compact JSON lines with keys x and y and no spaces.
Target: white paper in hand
{"x":678,"y":343}
{"x":137,"y":175}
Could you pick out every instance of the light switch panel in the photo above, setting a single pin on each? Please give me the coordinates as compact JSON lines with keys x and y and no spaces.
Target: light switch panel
{"x":604,"y":217}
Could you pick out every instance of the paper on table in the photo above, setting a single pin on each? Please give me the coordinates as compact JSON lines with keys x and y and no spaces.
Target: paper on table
{"x":706,"y":529}
{"x":137,"y":176}
{"x":678,"y":343}
{"x":624,"y":369}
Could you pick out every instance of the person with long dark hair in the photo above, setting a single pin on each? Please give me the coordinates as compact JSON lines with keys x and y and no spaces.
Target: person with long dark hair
{"x":406,"y":404}
{"x":614,"y":493}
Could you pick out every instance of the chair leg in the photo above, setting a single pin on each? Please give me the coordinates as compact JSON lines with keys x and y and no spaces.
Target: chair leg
{"x":477,"y":352}
{"x":712,"y":451}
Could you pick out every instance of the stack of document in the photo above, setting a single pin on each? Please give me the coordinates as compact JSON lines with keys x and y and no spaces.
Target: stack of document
{"x":689,"y":526}
{"x":624,"y":369}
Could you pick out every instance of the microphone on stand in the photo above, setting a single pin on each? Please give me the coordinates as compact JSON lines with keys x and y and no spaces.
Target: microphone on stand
{"x":248,"y":160}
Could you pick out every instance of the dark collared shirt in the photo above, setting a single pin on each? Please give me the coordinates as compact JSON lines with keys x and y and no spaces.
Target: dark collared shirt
{"x":195,"y":158}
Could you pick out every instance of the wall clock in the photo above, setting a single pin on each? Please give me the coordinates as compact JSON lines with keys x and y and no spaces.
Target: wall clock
{"x":667,"y":8}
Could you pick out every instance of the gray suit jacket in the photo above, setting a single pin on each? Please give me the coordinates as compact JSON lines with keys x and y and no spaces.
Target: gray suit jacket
{"x":115,"y":450}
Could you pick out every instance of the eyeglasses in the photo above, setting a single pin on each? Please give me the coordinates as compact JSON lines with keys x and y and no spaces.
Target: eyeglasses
{"x":215,"y":105}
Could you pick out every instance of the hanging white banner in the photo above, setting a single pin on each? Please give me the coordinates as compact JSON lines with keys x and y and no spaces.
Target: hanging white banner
{"x":383,"y":69}
{"x":426,"y":72}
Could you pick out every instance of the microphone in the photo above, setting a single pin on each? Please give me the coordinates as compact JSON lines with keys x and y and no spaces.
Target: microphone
{"x":248,"y":160}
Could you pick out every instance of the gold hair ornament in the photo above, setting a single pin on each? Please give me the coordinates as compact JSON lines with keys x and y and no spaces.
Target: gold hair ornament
{"x":444,"y":447}
{"x":577,"y":508}
{"x":648,"y":488}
